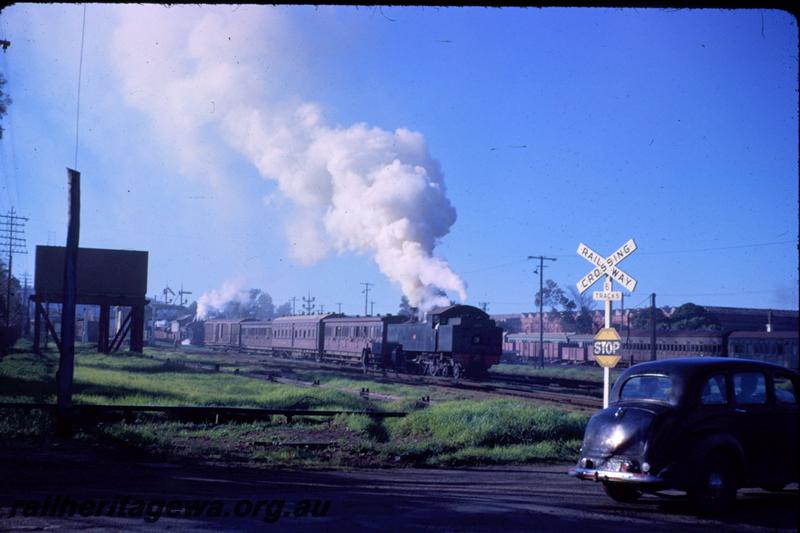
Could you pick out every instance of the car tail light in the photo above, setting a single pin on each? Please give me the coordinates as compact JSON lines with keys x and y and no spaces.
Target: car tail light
{"x":629,"y":465}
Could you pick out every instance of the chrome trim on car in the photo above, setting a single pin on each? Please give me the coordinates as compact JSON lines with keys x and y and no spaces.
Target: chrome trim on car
{"x":609,"y":475}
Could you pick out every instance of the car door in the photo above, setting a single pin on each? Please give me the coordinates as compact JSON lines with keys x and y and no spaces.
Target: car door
{"x":753,"y":423}
{"x":785,"y":440}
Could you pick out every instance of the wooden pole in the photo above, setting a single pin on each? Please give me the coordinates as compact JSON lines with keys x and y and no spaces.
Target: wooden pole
{"x":67,"y":360}
{"x":37,"y":328}
{"x":103,"y":326}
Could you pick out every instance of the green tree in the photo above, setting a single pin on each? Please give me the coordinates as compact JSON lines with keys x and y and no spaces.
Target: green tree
{"x":584,"y":322}
{"x":640,"y":319}
{"x":570,"y":307}
{"x":17,"y":317}
{"x":551,"y":295}
{"x":692,"y":317}
{"x":584,"y":305}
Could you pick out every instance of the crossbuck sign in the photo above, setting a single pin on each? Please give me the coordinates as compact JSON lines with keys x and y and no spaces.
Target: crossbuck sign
{"x":606,"y":341}
{"x":607,"y":266}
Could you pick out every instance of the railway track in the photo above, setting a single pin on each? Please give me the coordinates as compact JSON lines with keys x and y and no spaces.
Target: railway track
{"x":580,"y":395}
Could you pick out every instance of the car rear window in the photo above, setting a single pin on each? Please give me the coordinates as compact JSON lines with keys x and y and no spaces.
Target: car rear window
{"x":784,"y":391}
{"x":647,"y":387}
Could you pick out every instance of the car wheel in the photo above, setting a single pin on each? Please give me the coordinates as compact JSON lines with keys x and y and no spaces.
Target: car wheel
{"x":715,"y":489}
{"x":621,"y":492}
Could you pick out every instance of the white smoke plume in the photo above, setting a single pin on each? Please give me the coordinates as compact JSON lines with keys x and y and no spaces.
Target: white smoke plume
{"x":217,"y":299}
{"x":356,"y":188}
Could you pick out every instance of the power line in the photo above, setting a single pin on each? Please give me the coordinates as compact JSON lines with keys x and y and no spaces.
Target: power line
{"x":661,"y":252}
{"x":365,"y":292}
{"x":540,"y":271}
{"x":716,"y":248}
{"x":308,"y":304}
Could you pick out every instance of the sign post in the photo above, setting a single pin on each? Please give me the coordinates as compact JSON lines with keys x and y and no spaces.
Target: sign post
{"x":607,"y":341}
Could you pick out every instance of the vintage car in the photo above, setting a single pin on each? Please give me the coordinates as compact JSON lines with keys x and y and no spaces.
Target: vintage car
{"x":704,"y":425}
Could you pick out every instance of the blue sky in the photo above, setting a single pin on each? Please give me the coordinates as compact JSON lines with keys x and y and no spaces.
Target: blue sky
{"x":540,"y":128}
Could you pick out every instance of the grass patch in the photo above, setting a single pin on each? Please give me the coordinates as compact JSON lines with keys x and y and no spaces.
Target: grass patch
{"x":366,"y":426}
{"x":586,"y":373}
{"x":450,"y":431}
{"x":489,"y":423}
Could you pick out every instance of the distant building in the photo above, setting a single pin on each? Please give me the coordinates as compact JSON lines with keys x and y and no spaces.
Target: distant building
{"x":511,"y":323}
{"x":770,"y":335}
{"x":529,"y":322}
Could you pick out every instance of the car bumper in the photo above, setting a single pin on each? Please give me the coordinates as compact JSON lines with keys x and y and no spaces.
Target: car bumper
{"x":592,"y":474}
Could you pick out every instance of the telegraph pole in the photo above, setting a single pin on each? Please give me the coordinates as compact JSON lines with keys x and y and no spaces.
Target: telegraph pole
{"x":293,"y":302}
{"x":366,"y":294}
{"x":66,"y":364}
{"x":540,"y":270}
{"x":181,"y":294}
{"x":308,"y":304}
{"x":27,"y":328}
{"x":340,"y":307}
{"x":12,"y":233}
{"x":371,"y":307}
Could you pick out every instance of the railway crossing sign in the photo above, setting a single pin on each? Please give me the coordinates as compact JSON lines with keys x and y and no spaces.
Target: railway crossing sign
{"x":607,"y":343}
{"x":607,"y":266}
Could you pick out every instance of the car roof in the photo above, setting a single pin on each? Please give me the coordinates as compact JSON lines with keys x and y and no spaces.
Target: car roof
{"x":692,"y":365}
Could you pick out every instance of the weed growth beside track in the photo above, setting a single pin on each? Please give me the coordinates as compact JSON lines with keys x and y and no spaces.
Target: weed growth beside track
{"x":454,"y":430}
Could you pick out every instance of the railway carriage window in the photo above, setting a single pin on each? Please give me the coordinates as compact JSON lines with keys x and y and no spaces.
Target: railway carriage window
{"x":714,"y":391}
{"x":784,"y":391}
{"x":750,"y":388}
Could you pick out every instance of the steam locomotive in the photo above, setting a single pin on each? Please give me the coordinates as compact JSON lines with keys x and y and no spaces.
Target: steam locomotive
{"x":455,"y":341}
